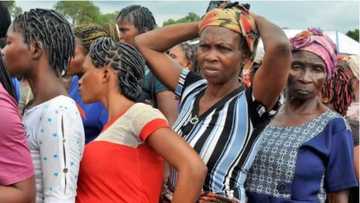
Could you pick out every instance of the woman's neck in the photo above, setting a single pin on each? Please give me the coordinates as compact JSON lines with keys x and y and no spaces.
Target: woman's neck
{"x":45,"y":86}
{"x":304,"y":107}
{"x":116,"y":103}
{"x":214,"y":91}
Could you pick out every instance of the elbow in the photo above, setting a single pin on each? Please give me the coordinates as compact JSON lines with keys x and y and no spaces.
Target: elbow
{"x":279,"y":49}
{"x":196,"y":171}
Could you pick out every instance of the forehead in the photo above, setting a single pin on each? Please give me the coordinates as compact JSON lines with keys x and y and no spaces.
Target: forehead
{"x":217,"y":34}
{"x":12,"y":33}
{"x":308,"y":58}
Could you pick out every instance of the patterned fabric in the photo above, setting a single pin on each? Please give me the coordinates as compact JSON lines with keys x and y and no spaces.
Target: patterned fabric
{"x":236,"y":19}
{"x":119,"y":166}
{"x":225,"y":136}
{"x":301,"y":162}
{"x":56,"y":139}
{"x":314,"y":41}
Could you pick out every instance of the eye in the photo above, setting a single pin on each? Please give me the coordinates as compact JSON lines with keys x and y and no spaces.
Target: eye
{"x":318,"y":68}
{"x":296,"y":66}
{"x":204,"y":47}
{"x":224,"y":48}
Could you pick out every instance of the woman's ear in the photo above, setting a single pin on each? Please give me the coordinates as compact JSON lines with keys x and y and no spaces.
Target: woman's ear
{"x":36,"y":50}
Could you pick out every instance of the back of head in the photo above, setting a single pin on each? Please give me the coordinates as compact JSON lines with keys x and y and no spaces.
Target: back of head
{"x":141,"y":17}
{"x":52,"y":32}
{"x":123,"y":58}
{"x":5,"y":21}
{"x":88,"y":33}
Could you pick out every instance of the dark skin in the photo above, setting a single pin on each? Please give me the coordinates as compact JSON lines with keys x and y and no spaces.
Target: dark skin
{"x":33,"y":66}
{"x":191,"y":170}
{"x":21,"y":192}
{"x":220,"y":57}
{"x":303,"y":102}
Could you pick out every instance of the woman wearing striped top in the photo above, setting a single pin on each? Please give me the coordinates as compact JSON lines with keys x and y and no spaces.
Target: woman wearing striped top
{"x":218,"y":117}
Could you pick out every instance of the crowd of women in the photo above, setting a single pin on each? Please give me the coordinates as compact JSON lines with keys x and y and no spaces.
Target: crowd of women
{"x":136,"y":113}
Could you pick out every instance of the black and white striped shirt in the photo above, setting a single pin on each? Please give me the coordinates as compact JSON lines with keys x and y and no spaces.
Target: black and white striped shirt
{"x":225,"y":136}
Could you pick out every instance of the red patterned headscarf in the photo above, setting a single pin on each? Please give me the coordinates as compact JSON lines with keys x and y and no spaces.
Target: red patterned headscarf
{"x":315,"y":41}
{"x":236,"y":19}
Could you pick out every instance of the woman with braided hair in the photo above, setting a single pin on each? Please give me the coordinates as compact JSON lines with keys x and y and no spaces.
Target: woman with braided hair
{"x":132,"y":21}
{"x":39,"y":46}
{"x":94,"y":115}
{"x":338,"y":92}
{"x":218,"y":117}
{"x":125,"y":162}
{"x":183,"y":54}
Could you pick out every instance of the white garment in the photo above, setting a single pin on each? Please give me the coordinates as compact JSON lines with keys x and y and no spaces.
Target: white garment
{"x":56,"y":140}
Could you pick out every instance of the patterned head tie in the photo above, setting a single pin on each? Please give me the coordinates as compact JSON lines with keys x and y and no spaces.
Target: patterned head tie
{"x":123,"y":58}
{"x":315,"y":41}
{"x":238,"y":19}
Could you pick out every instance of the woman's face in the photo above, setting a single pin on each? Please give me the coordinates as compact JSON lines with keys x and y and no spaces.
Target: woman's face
{"x":17,"y":54}
{"x":306,"y":76}
{"x":219,"y":54}
{"x":127,"y":31}
{"x":178,"y":54}
{"x":76,"y":63}
{"x":92,"y":83}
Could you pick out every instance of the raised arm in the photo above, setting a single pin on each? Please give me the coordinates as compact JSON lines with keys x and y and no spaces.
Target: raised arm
{"x":271,"y":78}
{"x":152,"y":45}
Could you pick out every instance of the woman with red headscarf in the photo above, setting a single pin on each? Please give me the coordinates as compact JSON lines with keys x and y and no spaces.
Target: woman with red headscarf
{"x":307,"y":150}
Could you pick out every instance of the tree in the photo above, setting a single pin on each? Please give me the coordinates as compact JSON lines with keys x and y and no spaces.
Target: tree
{"x":13,"y":9}
{"x":354,"y":34}
{"x":108,"y":18}
{"x":191,"y":17}
{"x":78,"y":12}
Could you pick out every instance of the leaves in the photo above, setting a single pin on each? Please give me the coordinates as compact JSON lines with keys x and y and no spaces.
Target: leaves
{"x":191,"y":17}
{"x":354,"y":34}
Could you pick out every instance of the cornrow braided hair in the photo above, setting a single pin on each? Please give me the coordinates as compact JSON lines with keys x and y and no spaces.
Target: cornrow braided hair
{"x":88,"y":33}
{"x":338,"y":88}
{"x":123,"y":58}
{"x":141,"y":17}
{"x":53,"y":34}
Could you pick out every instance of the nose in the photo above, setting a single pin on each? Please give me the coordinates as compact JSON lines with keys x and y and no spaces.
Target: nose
{"x":306,"y":76}
{"x":210,"y":56}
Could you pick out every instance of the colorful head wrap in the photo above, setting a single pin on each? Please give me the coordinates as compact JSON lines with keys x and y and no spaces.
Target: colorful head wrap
{"x":314,"y":41}
{"x":236,"y":19}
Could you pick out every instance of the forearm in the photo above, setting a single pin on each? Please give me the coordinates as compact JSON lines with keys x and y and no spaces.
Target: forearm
{"x":22,"y":192}
{"x":338,"y":197}
{"x":189,"y":185}
{"x":164,"y":38}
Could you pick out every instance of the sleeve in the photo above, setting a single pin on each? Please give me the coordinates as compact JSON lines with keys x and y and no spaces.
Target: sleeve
{"x":147,"y":120}
{"x":186,"y":78}
{"x":15,"y":159}
{"x":354,"y":124}
{"x":158,"y":85}
{"x":340,"y":173}
{"x":258,"y":113}
{"x":61,"y":141}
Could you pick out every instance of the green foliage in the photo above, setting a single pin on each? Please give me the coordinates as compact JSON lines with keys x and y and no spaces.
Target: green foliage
{"x":78,"y":11}
{"x":191,"y":17}
{"x":13,"y":9}
{"x":354,"y":34}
